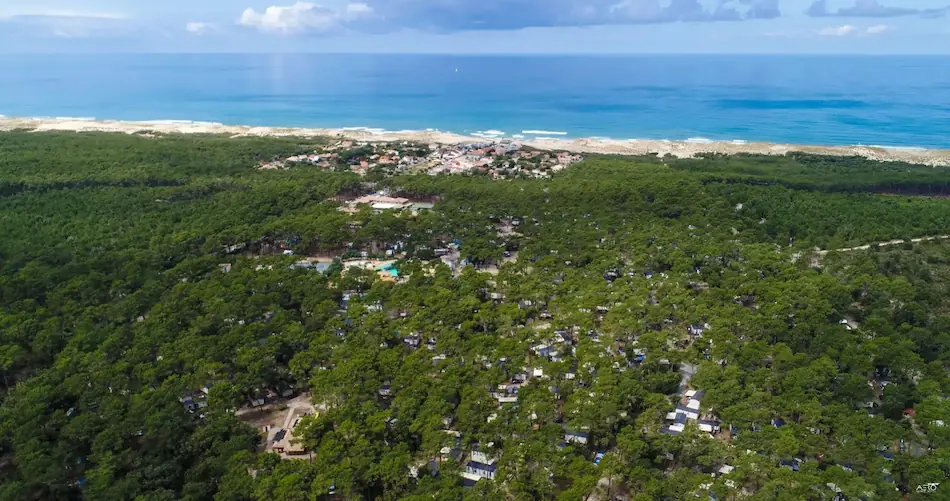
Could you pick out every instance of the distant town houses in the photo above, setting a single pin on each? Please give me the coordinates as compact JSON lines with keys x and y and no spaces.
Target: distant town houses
{"x":560,"y":358}
{"x":501,"y":159}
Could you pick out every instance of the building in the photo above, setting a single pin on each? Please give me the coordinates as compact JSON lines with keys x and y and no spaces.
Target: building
{"x":481,"y":455}
{"x":195,"y":400}
{"x":508,"y":394}
{"x":412,"y":341}
{"x":475,"y":471}
{"x":576,"y":437}
{"x":480,"y":465}
{"x":690,"y":409}
{"x":381,"y":202}
{"x":696,"y":330}
{"x":691,"y":414}
{"x":709,"y":425}
{"x":673,"y":429}
{"x":308,"y":265}
{"x":453,"y":453}
{"x":420,"y":206}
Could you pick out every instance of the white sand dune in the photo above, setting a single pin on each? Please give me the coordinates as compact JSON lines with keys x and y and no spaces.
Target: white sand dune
{"x":682,"y":149}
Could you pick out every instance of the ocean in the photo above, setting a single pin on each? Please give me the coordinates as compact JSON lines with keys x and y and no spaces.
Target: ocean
{"x":894,"y":101}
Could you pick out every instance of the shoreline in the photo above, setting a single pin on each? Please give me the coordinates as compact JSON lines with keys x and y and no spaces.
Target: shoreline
{"x":681,"y":149}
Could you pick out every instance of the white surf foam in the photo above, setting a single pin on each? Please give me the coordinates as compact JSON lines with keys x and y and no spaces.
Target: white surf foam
{"x":182,"y":123}
{"x":699,"y":140}
{"x":370,"y":130}
{"x":168,"y":122}
{"x":544,"y":132}
{"x":897,"y":148}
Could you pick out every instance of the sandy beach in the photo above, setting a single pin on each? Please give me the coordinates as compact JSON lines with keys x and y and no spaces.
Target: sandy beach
{"x":682,"y":149}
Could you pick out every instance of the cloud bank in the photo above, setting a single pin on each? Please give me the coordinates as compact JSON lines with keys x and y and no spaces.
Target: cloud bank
{"x":871,"y":8}
{"x":65,"y":24}
{"x":456,"y":15}
{"x":837,"y":31}
{"x":847,"y":30}
{"x":469,"y":15}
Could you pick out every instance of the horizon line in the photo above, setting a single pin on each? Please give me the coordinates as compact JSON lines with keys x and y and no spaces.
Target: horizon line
{"x":554,"y":54}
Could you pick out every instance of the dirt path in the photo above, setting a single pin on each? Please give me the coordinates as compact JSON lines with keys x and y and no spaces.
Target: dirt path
{"x":823,"y":253}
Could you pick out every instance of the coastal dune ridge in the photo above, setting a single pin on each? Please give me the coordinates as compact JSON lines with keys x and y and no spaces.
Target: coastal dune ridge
{"x":680,"y":149}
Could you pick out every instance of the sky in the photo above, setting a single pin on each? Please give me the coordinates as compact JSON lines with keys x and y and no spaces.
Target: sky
{"x":478,"y":26}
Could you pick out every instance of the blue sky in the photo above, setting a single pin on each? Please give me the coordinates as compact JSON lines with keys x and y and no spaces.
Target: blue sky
{"x":478,"y":26}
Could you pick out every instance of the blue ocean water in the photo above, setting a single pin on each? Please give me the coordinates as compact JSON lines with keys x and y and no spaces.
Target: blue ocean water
{"x":833,"y":100}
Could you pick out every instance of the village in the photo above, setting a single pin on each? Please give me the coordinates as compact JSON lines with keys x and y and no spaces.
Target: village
{"x":382,"y":256}
{"x":504,"y":159}
{"x":551,"y":360}
{"x":562,"y":358}
{"x":277,"y":413}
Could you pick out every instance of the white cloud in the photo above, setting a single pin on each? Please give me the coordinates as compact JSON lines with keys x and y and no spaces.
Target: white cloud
{"x":878,"y":29}
{"x":837,"y":31}
{"x":59,"y":13}
{"x":849,"y":30}
{"x":358,"y":10}
{"x":296,"y":18}
{"x":198,"y":28}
